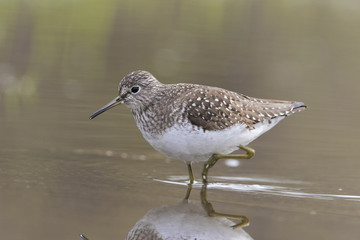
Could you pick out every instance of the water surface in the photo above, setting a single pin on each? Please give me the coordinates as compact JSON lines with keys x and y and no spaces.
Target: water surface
{"x":62,"y":175}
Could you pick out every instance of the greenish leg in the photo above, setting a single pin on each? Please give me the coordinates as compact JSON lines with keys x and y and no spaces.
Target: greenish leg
{"x":191,"y":181}
{"x":244,"y":221}
{"x":215,"y":157}
{"x":209,"y":164}
{"x":191,"y":175}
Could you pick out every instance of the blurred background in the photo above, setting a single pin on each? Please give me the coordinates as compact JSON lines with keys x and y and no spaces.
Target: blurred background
{"x":62,"y":174}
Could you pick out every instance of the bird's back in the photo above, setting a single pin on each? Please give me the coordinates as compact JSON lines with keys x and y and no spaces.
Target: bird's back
{"x":191,"y":122}
{"x":213,"y":108}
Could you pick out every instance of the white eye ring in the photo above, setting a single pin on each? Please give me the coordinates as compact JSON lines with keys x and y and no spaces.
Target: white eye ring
{"x":135,"y":89}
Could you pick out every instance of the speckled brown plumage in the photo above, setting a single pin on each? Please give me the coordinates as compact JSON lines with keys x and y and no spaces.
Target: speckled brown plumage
{"x":208,"y":108}
{"x":214,"y":109}
{"x":191,"y":122}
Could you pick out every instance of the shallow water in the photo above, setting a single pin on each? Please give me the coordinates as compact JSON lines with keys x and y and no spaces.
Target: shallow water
{"x":62,"y":175}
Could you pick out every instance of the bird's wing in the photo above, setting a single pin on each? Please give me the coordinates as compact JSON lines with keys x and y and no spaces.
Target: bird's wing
{"x":214,"y":109}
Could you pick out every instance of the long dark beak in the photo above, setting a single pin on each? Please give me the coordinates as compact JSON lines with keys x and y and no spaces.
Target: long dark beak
{"x":113,"y":103}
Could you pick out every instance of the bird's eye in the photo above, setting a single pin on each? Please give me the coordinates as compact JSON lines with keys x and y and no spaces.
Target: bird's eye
{"x":135,"y":89}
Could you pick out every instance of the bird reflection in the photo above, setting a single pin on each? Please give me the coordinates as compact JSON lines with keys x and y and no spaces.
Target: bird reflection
{"x":190,"y":221}
{"x":187,"y":220}
{"x":244,"y":221}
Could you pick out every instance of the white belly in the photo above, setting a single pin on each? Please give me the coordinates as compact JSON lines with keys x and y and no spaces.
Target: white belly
{"x":185,"y":143}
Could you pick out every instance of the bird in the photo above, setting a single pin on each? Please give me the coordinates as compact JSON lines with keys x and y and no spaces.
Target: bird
{"x":197,"y":123}
{"x":184,"y":220}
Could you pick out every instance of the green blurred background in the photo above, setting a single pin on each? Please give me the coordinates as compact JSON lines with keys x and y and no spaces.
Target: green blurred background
{"x":62,"y":175}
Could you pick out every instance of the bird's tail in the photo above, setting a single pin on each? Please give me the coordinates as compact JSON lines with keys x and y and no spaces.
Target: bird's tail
{"x":298,"y":107}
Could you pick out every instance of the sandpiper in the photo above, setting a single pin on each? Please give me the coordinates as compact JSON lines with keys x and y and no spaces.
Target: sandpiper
{"x":197,"y":123}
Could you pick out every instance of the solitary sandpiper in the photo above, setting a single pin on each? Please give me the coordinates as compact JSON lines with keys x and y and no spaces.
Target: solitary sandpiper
{"x":197,"y":123}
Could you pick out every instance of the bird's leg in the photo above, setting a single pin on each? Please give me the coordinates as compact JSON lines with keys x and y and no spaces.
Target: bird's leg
{"x":191,"y":181}
{"x":215,"y":157}
{"x":191,"y":175}
{"x":211,"y":162}
{"x":212,"y":213}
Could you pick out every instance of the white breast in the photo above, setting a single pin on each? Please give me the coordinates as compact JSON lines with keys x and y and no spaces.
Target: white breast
{"x":195,"y":145}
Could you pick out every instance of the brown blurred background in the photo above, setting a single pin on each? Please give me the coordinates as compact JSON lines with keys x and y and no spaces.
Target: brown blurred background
{"x":62,"y":175}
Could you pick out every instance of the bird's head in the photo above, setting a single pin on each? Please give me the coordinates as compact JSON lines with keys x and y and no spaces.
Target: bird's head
{"x":136,"y":91}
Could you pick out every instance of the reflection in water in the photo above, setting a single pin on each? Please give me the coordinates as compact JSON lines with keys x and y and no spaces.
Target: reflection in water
{"x":184,"y":220}
{"x":264,"y":189}
{"x":187,"y":220}
{"x":211,"y":212}
{"x":83,"y":237}
{"x":283,"y":191}
{"x":58,"y":59}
